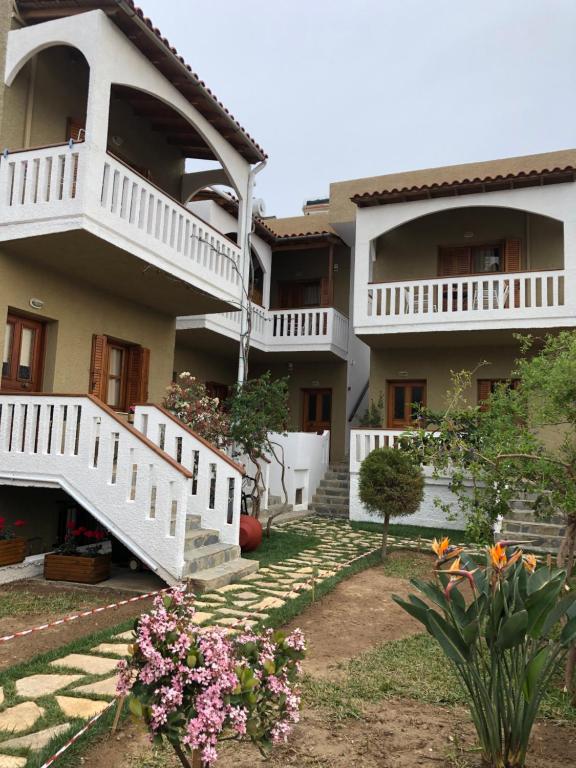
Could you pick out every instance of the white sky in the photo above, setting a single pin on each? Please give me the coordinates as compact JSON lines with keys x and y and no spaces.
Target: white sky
{"x":339,"y":89}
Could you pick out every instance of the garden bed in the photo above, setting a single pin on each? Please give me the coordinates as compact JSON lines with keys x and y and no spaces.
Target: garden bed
{"x":355,"y":716}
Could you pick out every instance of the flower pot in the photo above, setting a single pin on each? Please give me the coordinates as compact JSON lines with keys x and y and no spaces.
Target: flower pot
{"x":250,"y":533}
{"x":84,"y":569}
{"x":12,"y":550}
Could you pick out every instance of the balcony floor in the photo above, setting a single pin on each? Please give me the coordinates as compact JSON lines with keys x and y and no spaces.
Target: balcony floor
{"x":79,"y":255}
{"x":451,"y":338}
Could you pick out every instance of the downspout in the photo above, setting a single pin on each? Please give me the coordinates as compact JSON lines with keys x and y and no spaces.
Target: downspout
{"x":245,"y":229}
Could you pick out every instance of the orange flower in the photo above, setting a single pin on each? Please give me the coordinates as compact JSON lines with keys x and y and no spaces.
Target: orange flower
{"x":441,"y":547}
{"x":530,"y":563}
{"x":500,"y":559}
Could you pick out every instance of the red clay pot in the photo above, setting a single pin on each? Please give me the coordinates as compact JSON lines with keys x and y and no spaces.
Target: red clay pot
{"x":250,"y":533}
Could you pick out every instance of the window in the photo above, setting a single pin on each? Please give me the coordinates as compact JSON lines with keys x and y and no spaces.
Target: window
{"x":487,"y":386}
{"x":404,"y":397}
{"x":118,"y":372}
{"x":23,"y":354}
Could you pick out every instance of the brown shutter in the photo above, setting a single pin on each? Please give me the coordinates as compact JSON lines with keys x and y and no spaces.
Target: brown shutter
{"x":75,"y":129}
{"x":97,"y":383}
{"x":513,"y":256}
{"x":137,"y":376}
{"x":454,"y":261}
{"x":324,"y":292}
{"x":484,"y":392}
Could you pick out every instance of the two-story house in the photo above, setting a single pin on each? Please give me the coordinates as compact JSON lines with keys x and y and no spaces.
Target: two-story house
{"x":103,"y":132}
{"x":451,"y":263}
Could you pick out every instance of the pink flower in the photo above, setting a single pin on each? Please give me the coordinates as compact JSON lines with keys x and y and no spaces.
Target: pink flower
{"x":19,"y":523}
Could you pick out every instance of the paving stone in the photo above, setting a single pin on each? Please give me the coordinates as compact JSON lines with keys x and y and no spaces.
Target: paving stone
{"x":247,"y":596}
{"x":76,"y":707}
{"x":129,"y":635}
{"x":228,"y":621}
{"x":229,"y":588}
{"x":200,"y":617}
{"x":102,"y":688}
{"x":92,"y":665}
{"x":9,"y":761}
{"x":20,"y":717}
{"x":268,"y":602}
{"x":119,"y":649}
{"x":1,"y":696}
{"x":37,"y":740}
{"x":35,"y":686}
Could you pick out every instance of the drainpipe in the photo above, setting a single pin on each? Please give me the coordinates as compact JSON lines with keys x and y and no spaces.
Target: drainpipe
{"x":244,"y":233}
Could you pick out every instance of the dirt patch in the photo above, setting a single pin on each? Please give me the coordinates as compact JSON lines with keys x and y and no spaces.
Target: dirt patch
{"x":74,"y":599}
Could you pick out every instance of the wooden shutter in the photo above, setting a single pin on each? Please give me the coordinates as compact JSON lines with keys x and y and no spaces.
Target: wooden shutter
{"x":137,"y":375}
{"x":98,"y":364}
{"x":454,"y":261}
{"x":324,"y":292}
{"x":484,"y":392}
{"x":513,"y":256}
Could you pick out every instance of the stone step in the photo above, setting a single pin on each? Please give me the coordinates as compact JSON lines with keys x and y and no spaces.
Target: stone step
{"x":529,"y":516}
{"x":338,"y":467}
{"x":331,"y":490}
{"x":221,"y":575}
{"x":337,"y":475}
{"x":525,"y":502}
{"x":193,"y":522}
{"x":536,"y":543}
{"x":325,"y":498}
{"x":330,"y":510}
{"x":200,"y":537}
{"x":328,"y":483}
{"x":537,"y":528}
{"x":204,"y":558}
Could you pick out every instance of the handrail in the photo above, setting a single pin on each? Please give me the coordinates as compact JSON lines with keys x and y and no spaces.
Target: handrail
{"x":357,"y":405}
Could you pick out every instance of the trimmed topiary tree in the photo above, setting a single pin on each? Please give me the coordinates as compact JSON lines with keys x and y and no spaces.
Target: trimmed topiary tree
{"x":391,"y":485}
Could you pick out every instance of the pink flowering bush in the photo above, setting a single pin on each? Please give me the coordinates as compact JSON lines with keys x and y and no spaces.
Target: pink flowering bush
{"x":188,"y":399}
{"x":195,"y":687}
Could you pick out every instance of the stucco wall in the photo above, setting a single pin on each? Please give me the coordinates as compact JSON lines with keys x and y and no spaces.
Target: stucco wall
{"x":411,"y":250}
{"x":204,"y":365}
{"x":75,"y":312}
{"x":434,"y":365}
{"x":312,"y":264}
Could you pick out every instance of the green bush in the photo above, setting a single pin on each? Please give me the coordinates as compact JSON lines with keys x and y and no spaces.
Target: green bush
{"x":391,"y":485}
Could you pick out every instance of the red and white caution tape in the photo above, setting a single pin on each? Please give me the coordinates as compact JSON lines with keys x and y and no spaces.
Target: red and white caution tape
{"x":77,"y":736}
{"x":82,"y":615}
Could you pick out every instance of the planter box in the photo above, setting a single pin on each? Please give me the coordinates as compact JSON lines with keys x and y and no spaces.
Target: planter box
{"x":86,"y":570}
{"x":12,"y":551}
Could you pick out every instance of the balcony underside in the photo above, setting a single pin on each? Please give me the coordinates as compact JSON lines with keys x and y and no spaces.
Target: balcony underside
{"x":446,"y":338}
{"x":81,"y":256}
{"x":217,"y":343}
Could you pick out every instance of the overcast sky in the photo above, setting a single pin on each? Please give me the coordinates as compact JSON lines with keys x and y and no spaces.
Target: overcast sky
{"x":339,"y":89}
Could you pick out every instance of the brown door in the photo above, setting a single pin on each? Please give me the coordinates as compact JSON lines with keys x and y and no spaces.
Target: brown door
{"x":403,"y":399}
{"x":23,"y":354}
{"x":317,"y":414}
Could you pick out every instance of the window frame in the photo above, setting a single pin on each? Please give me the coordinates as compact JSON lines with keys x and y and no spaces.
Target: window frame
{"x":391,"y":384}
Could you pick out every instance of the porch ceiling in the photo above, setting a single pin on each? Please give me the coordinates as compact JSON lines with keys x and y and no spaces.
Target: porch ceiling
{"x":80,"y":256}
{"x":445,"y":339}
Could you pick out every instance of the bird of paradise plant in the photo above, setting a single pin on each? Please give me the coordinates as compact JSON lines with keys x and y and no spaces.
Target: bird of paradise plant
{"x":505,"y":627}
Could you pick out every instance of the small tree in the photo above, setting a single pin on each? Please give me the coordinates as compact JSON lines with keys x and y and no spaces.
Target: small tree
{"x":258,"y":408}
{"x":391,"y":485}
{"x":374,"y":415}
{"x":188,"y":399}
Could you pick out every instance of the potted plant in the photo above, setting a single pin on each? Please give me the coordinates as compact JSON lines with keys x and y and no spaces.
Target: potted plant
{"x":70,"y":563}
{"x":12,"y":546}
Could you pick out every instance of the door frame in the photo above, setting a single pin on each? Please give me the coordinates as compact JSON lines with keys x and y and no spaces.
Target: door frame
{"x":305,"y":392}
{"x":390,"y":383}
{"x":38,"y":352}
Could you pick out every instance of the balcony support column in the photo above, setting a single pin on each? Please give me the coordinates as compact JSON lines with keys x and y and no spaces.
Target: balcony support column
{"x":570,"y":263}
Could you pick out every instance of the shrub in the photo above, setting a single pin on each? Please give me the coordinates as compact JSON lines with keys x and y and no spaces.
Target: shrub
{"x":391,"y":485}
{"x":188,"y":399}
{"x":194,"y":687}
{"x":505,"y":642}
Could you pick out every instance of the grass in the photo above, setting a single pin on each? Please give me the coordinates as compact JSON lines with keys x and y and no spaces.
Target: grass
{"x":414,"y":668}
{"x":404,"y":564}
{"x":24,"y":603}
{"x":410,"y":531}
{"x":281,"y":545}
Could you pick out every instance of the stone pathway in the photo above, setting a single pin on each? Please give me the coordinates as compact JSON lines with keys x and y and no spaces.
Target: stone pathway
{"x":58,"y":700}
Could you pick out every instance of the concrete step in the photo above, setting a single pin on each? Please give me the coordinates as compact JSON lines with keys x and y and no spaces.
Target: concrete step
{"x":529,"y":516}
{"x":339,"y":468}
{"x":193,"y":522}
{"x":328,"y":483}
{"x":326,"y":498}
{"x":201,"y":537}
{"x":203,"y":558}
{"x":330,"y":510}
{"x":221,"y":575}
{"x":330,"y":475}
{"x":535,"y":543}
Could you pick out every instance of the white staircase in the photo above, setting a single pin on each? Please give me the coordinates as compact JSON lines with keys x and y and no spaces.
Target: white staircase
{"x":166,"y":494}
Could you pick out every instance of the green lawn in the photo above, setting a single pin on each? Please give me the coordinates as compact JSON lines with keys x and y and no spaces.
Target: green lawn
{"x":281,"y":545}
{"x":24,"y":603}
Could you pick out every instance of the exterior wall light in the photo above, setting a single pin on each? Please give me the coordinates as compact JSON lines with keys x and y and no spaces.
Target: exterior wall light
{"x":36,"y":303}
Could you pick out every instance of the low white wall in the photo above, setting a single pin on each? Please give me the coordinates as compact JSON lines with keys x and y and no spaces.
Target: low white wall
{"x":306,"y":457}
{"x":429,"y":515}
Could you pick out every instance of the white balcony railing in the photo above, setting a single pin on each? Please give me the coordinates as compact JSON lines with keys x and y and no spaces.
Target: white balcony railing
{"x":316,"y":329}
{"x":74,"y":186}
{"x":364,"y":441}
{"x":503,"y":296}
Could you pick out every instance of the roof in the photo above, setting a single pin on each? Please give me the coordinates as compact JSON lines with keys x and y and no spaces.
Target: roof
{"x":149,"y":40}
{"x":301,"y":226}
{"x":467,"y":178}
